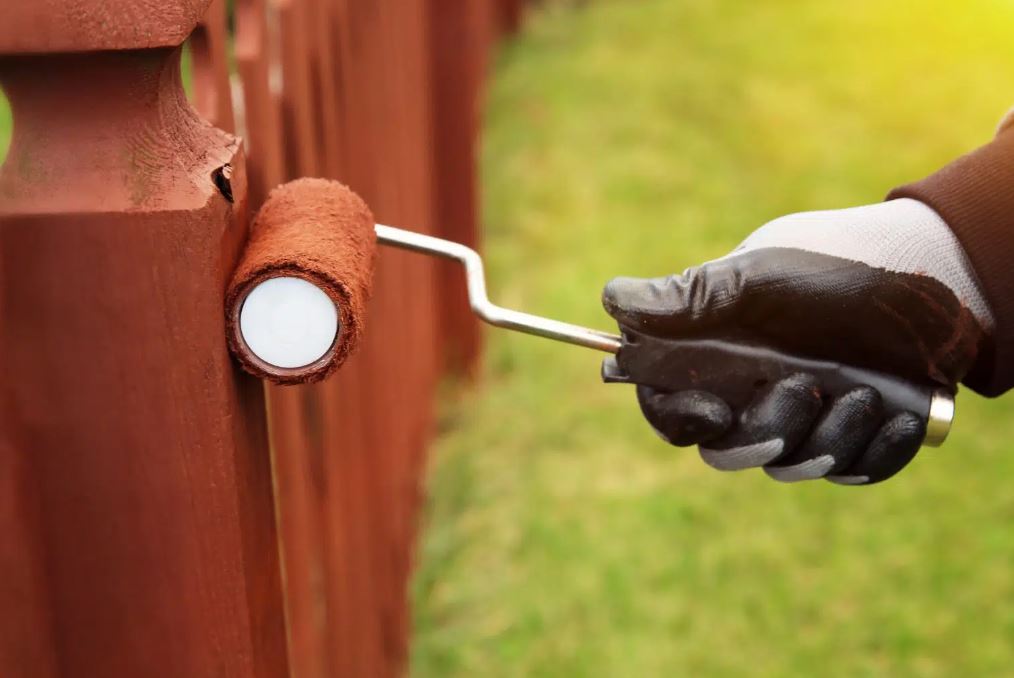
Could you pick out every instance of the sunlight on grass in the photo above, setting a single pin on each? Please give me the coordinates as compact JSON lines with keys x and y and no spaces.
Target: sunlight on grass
{"x":562,"y":538}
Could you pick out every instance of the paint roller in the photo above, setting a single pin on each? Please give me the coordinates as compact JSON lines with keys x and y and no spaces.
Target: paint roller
{"x":295,"y":311}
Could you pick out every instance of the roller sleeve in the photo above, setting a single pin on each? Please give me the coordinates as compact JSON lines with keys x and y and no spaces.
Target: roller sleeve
{"x":295,"y":308}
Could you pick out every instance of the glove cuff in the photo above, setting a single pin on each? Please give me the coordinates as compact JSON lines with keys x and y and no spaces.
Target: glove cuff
{"x":975,"y":196}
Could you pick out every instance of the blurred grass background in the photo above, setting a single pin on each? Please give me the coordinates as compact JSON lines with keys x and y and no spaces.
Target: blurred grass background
{"x":562,"y":538}
{"x":6,"y":126}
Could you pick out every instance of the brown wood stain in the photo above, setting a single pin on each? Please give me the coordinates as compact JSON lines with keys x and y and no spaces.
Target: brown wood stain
{"x":136,"y":490}
{"x":139,"y":452}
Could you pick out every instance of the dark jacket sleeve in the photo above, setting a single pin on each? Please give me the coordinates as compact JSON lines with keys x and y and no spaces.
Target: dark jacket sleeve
{"x":975,"y":196}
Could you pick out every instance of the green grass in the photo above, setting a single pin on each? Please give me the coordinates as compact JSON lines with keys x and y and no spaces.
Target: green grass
{"x":6,"y":126}
{"x":562,"y":538}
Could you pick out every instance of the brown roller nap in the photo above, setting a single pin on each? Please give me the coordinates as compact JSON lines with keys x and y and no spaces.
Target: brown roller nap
{"x":320,"y":231}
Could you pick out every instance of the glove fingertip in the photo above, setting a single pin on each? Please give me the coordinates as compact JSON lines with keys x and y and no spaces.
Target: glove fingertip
{"x":622,"y":294}
{"x":895,"y":445}
{"x":685,"y":418}
{"x":653,"y":304}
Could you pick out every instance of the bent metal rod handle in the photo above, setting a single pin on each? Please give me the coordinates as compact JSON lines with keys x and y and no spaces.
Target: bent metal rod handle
{"x":732,"y":371}
{"x":475,"y":281}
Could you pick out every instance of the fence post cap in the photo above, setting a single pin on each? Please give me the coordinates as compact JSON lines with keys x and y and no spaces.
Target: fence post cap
{"x":57,"y":26}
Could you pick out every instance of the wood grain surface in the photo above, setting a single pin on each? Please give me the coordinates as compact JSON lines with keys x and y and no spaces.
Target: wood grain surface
{"x":139,"y":521}
{"x":163,"y":514}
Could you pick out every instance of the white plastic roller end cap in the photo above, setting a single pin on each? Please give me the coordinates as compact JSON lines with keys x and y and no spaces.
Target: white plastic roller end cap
{"x":288,"y":322}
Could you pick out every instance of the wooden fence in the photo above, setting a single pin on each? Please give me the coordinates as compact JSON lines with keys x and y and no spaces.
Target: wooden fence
{"x":164,"y":514}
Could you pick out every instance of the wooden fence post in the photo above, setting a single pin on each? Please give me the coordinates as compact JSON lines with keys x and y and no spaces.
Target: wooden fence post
{"x":137,"y":501}
{"x":137,"y":509}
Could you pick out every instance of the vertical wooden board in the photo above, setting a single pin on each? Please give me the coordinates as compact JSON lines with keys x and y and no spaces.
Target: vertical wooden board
{"x":260,"y":114}
{"x":299,"y":419}
{"x":210,"y":65}
{"x":372,"y":170}
{"x":457,"y":61}
{"x":414,"y":87}
{"x":324,"y":78}
{"x":298,"y":119}
{"x":27,"y":646}
{"x":298,"y":455}
{"x":143,"y":446}
{"x":354,"y":529}
{"x":509,"y":13}
{"x":406,"y":344}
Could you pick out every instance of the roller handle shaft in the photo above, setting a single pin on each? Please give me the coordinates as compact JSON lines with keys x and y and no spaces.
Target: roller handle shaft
{"x":736,"y":372}
{"x":475,"y":281}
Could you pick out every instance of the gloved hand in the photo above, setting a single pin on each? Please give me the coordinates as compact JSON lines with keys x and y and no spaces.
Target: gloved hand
{"x":884,"y":286}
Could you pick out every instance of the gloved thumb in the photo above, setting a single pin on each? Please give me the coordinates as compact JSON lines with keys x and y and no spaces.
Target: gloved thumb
{"x":676,"y":305}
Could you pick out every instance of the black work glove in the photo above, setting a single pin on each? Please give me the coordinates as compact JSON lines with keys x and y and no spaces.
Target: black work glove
{"x":884,"y":287}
